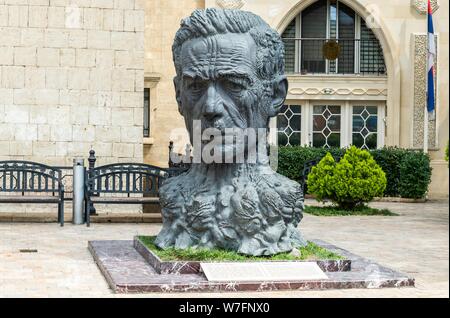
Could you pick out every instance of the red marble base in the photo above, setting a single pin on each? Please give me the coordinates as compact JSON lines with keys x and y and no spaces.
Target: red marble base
{"x":127,"y":271}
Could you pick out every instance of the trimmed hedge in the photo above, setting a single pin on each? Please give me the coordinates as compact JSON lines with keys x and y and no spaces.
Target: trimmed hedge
{"x":292,"y":159}
{"x":389,"y":160}
{"x":415,"y":175}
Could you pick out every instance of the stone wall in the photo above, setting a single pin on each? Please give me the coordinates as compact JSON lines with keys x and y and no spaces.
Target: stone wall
{"x":72,"y":76}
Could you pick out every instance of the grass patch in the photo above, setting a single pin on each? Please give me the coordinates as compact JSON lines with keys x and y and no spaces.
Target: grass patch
{"x":335,"y":211}
{"x":310,"y":252}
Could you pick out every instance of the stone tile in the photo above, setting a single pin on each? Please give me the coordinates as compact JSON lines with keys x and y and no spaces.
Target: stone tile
{"x":416,"y":243}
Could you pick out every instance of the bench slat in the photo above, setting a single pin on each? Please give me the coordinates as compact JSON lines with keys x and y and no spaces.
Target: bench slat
{"x":124,"y":200}
{"x":28,"y":199}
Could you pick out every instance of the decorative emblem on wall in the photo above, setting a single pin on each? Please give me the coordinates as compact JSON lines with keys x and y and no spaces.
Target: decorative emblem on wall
{"x":422,"y":5}
{"x":331,"y":50}
{"x":230,"y":4}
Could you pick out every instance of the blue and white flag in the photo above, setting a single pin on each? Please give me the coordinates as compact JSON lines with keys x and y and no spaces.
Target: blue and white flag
{"x":430,"y":63}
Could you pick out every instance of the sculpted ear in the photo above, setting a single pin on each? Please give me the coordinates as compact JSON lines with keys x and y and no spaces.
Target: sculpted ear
{"x":177,"y":84}
{"x":279,"y":92}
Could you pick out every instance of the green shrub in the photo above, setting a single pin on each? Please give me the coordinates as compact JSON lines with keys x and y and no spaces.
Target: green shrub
{"x":415,"y":175}
{"x":388,"y":159}
{"x":321,"y":178}
{"x":446,"y":152}
{"x":353,"y":181}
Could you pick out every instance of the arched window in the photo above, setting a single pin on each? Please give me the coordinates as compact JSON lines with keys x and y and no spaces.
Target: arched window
{"x":328,"y":37}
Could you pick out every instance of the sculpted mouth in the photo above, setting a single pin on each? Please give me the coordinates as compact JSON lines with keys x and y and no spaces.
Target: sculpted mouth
{"x":232,"y":138}
{"x":214,"y":125}
{"x":217,"y":129}
{"x":227,"y":137}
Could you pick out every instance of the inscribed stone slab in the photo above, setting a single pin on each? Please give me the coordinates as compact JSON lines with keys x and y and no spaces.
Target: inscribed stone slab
{"x":262,"y":271}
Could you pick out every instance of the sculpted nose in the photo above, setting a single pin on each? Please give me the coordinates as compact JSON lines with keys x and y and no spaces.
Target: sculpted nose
{"x":212,"y":109}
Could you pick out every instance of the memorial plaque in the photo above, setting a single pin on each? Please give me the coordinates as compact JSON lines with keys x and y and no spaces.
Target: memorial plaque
{"x":262,"y":271}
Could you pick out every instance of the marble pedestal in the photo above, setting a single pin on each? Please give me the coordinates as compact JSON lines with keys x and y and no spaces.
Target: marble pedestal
{"x":127,"y":271}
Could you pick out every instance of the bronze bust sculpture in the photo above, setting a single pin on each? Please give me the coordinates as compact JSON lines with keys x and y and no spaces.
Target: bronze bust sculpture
{"x":230,"y":76}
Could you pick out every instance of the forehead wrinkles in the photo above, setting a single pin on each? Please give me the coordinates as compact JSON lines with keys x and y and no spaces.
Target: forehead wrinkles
{"x":220,"y":54}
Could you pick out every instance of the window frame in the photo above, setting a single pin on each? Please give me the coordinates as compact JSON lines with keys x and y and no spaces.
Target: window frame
{"x":146,"y":113}
{"x":311,"y":118}
{"x":357,"y":45}
{"x":151,"y":81}
{"x":307,"y":107}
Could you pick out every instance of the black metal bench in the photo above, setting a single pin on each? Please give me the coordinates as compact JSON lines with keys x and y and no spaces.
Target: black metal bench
{"x":116,"y":183}
{"x":31,"y":182}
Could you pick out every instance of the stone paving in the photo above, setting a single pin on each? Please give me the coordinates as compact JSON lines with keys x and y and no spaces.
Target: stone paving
{"x":416,"y":243}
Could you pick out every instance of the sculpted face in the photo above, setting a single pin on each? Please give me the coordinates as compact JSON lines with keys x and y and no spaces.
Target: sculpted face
{"x":220,"y":87}
{"x":218,"y":81}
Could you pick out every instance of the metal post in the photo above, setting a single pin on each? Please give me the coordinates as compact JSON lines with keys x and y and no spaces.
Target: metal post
{"x":170,"y":154}
{"x":78,"y":191}
{"x":92,"y":159}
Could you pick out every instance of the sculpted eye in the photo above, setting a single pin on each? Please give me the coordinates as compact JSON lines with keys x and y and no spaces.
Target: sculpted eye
{"x":196,"y":85}
{"x":235,"y":85}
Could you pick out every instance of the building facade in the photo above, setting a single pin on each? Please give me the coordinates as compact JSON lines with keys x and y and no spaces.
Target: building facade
{"x":372,"y":96}
{"x":77,"y":75}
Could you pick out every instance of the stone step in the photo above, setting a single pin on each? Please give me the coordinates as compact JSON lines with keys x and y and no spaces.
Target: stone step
{"x":100,"y":218}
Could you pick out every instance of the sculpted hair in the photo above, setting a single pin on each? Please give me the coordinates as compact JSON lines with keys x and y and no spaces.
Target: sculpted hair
{"x":211,"y":21}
